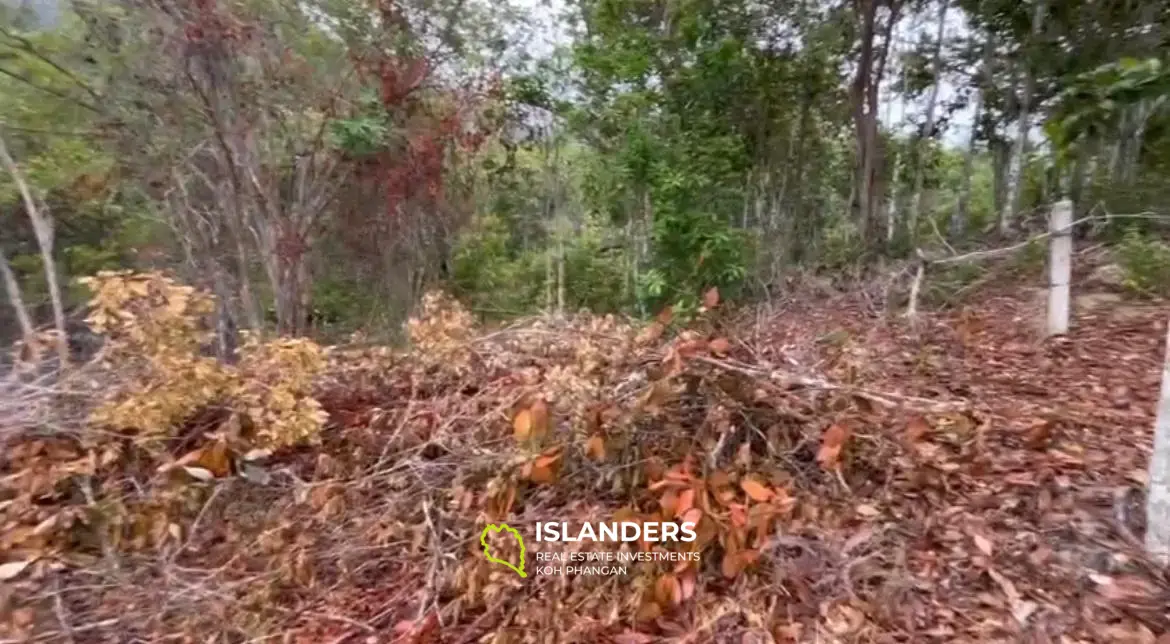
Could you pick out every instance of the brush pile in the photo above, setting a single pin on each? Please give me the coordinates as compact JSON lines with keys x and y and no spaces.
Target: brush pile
{"x":849,"y":482}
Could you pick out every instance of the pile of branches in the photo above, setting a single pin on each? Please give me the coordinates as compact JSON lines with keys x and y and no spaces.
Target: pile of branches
{"x":372,"y":532}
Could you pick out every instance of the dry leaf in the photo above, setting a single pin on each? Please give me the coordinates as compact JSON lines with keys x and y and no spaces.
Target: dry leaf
{"x":867,"y":511}
{"x":756,"y":490}
{"x":11,"y":569}
{"x":595,"y":448}
{"x":830,"y":453}
{"x":522,"y":425}
{"x":216,"y":459}
{"x":917,"y":429}
{"x":648,"y":612}
{"x":983,"y":543}
{"x":668,"y":590}
{"x":719,"y":346}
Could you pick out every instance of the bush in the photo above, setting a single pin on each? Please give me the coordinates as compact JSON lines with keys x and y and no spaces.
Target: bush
{"x":155,"y":331}
{"x":1145,"y":260}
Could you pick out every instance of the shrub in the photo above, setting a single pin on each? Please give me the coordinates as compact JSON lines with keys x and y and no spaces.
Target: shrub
{"x":1145,"y":260}
{"x":155,"y":330}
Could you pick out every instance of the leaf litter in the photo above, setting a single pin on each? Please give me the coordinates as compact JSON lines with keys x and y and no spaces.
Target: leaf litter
{"x":959,"y":483}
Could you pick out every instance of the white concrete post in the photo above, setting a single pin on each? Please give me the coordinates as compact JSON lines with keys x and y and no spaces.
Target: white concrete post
{"x":1158,"y":493}
{"x":1059,"y":266}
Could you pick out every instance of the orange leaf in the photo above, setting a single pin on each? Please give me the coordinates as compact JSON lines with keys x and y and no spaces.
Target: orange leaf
{"x":216,"y":459}
{"x":738,"y":515}
{"x":719,"y":346}
{"x":542,"y":474}
{"x":595,"y":448}
{"x":668,"y":590}
{"x":734,"y":562}
{"x":711,"y":298}
{"x":756,"y":490}
{"x":834,"y":440}
{"x":522,"y":425}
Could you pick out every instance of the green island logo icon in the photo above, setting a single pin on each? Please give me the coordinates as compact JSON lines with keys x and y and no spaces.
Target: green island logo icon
{"x":503,"y":527}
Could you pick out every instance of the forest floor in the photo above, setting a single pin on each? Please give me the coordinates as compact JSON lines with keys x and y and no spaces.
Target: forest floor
{"x":854,"y":479}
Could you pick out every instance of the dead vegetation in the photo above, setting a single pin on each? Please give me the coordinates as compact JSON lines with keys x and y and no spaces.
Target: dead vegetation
{"x":850,"y":481}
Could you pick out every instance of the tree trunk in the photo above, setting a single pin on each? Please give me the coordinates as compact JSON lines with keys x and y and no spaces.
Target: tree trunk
{"x":1158,"y":493}
{"x":922,"y":143}
{"x":1015,"y":177}
{"x":16,"y":299}
{"x":892,"y":208}
{"x":43,"y":228}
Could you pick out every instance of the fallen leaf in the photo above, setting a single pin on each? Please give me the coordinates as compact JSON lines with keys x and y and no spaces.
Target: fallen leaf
{"x":834,"y":440}
{"x":668,"y":590}
{"x":983,"y":543}
{"x":11,"y":569}
{"x":756,"y":490}
{"x":199,"y":473}
{"x":719,"y":346}
{"x":868,"y":511}
{"x":595,"y":448}
{"x":522,"y":425}
{"x":917,"y":429}
{"x":649,"y":611}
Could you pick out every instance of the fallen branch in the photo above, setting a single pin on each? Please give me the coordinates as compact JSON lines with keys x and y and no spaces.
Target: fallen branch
{"x":792,"y":381}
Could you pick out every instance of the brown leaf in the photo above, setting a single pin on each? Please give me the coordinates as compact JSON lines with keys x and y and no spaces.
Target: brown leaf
{"x":694,"y":515}
{"x":668,"y":590}
{"x":756,"y":490}
{"x":595,"y":448}
{"x":649,"y":611}
{"x":831,"y":445}
{"x":1039,"y":435}
{"x":917,"y":429}
{"x":719,"y":346}
{"x":711,"y":298}
{"x":216,"y":458}
{"x":540,"y":418}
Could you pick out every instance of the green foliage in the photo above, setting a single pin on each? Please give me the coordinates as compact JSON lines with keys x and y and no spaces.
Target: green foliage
{"x":1145,"y":260}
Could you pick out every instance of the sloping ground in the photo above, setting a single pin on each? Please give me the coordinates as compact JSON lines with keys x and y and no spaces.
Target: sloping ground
{"x":853,"y":481}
